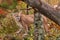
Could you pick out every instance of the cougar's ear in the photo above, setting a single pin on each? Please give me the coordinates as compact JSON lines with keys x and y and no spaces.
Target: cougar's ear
{"x":20,"y":13}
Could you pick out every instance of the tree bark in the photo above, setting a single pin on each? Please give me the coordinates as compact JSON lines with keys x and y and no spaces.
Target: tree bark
{"x":45,"y":9}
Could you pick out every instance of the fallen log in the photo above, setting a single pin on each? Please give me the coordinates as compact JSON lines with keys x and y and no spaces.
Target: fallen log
{"x":45,"y":9}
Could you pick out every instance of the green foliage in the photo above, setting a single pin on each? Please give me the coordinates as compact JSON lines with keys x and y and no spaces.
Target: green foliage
{"x":13,"y":6}
{"x":31,"y":32}
{"x":6,"y":5}
{"x":8,"y":25}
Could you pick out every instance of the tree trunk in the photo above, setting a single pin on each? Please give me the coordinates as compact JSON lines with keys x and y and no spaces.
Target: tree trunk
{"x":45,"y":9}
